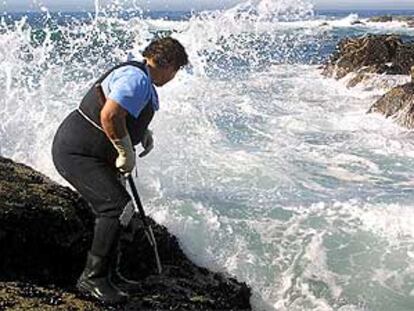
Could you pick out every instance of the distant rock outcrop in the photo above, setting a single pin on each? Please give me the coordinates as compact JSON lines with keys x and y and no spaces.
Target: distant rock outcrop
{"x":381,"y":19}
{"x":392,"y":18}
{"x":358,"y":22}
{"x":368,"y":55}
{"x":45,"y":232}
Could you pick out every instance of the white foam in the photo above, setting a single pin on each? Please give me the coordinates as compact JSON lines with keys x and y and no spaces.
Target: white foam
{"x":274,"y":174}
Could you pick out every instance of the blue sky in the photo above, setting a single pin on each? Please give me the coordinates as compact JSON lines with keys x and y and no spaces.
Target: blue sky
{"x":13,"y":5}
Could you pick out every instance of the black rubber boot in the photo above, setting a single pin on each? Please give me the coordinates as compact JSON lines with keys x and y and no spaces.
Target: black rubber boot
{"x":95,"y":279}
{"x":118,"y":278}
{"x":116,"y":275}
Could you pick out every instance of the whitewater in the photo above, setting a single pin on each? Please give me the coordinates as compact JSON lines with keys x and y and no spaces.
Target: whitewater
{"x":263,"y":168}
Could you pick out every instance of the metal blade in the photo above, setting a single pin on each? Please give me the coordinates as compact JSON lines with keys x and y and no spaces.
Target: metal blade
{"x":127,"y":214}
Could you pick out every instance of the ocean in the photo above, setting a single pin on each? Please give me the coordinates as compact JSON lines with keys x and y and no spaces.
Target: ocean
{"x":263,"y":168}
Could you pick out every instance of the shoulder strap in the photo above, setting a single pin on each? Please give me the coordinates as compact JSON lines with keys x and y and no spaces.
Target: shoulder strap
{"x":140,"y":65}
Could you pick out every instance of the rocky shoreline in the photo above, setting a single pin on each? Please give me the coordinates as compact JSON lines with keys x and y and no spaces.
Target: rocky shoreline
{"x":369,"y":56}
{"x":45,"y":232}
{"x":393,"y":18}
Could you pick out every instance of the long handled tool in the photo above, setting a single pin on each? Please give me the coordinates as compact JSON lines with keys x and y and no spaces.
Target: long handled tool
{"x":138,"y":205}
{"x":148,"y":229}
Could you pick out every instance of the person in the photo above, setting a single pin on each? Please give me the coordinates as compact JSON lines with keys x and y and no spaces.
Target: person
{"x":94,"y":146}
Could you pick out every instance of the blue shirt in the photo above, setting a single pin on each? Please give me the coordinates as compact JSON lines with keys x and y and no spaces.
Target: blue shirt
{"x":131,"y":88}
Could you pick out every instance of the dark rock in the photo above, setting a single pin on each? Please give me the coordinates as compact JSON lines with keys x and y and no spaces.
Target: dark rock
{"x":357,"y":22}
{"x":45,"y":227}
{"x":397,"y":104}
{"x":403,"y":59}
{"x":359,"y":77}
{"x":371,"y":54}
{"x":404,"y":18}
{"x":391,"y":18}
{"x":381,"y":19}
{"x":27,"y":296}
{"x":45,"y":232}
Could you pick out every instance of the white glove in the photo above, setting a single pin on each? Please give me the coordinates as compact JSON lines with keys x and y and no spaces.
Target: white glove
{"x":147,"y":143}
{"x":125,"y":161}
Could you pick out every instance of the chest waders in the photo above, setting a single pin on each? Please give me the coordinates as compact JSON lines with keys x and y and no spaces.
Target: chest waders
{"x":85,"y":157}
{"x":130,"y":210}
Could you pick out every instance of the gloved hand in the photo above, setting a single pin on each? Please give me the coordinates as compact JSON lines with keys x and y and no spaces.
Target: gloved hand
{"x":147,"y":143}
{"x":125,"y":161}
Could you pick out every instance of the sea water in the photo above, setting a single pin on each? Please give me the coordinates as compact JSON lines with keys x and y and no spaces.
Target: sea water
{"x":263,"y":168}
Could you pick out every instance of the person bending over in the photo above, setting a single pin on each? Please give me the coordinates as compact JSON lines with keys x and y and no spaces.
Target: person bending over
{"x":94,"y":145}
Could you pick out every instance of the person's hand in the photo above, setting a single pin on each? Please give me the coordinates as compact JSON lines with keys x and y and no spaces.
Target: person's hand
{"x":147,"y":143}
{"x":125,"y":161}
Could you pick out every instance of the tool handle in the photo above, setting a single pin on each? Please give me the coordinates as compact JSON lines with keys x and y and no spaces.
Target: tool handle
{"x":137,"y":200}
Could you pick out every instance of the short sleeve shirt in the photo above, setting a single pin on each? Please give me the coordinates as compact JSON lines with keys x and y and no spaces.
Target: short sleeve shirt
{"x":131,"y":88}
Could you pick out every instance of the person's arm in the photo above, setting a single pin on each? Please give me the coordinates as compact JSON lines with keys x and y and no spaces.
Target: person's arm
{"x":128,"y":93}
{"x":113,"y":120}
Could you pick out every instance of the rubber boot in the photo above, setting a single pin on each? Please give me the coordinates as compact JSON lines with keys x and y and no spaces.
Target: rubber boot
{"x":116,"y":275}
{"x":95,"y":279}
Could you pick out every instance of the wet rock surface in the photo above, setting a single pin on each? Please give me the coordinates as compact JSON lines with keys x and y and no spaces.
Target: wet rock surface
{"x":357,"y":22}
{"x":372,"y":55}
{"x":391,"y":18}
{"x":397,"y":104}
{"x":45,"y":232}
{"x":44,"y":228}
{"x":368,"y":55}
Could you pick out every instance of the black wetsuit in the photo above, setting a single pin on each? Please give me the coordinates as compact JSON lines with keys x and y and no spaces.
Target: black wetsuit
{"x":84,"y":156}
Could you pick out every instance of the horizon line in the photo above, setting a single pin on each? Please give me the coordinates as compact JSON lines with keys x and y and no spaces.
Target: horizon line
{"x":92,"y":10}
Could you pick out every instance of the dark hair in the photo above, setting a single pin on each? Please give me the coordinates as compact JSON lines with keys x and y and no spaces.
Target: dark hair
{"x":166,"y":51}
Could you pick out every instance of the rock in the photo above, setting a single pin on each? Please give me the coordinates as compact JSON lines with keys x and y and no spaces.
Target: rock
{"x":403,"y":59}
{"x":354,"y":54}
{"x":45,"y":229}
{"x":397,"y":104}
{"x":45,"y":232}
{"x":403,"y":18}
{"x":381,"y":19}
{"x":324,"y":24}
{"x":368,"y":55}
{"x":357,"y":22}
{"x":26,"y":296}
{"x":359,"y":77}
{"x":391,"y":18}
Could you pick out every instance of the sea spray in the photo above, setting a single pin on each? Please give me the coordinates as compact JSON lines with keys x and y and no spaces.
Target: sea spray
{"x":263,"y":168}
